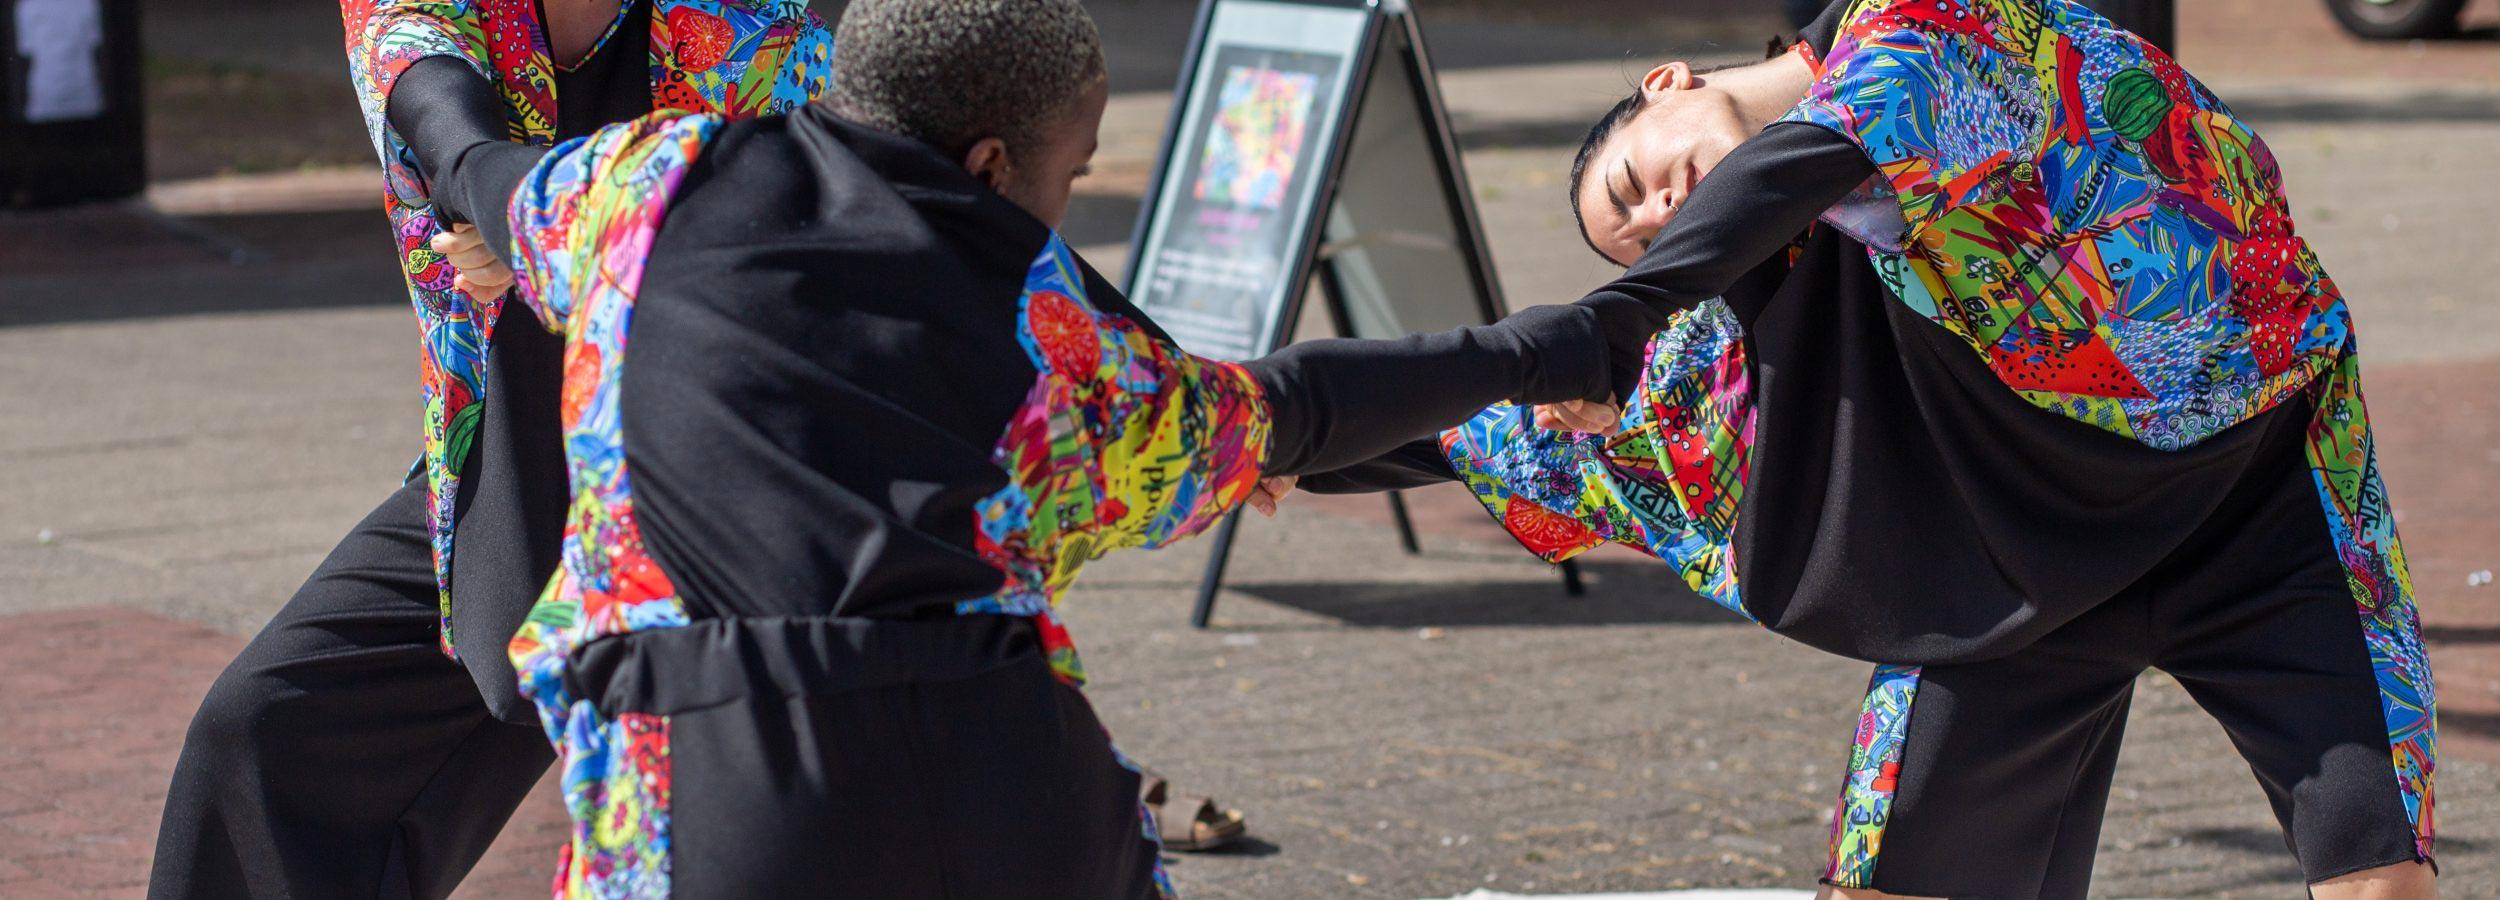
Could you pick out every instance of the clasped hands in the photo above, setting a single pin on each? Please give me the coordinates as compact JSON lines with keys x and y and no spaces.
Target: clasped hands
{"x":482,"y":275}
{"x":1589,"y":416}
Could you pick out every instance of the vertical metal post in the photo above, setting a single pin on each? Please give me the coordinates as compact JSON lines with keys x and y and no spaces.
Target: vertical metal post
{"x":1213,"y":580}
{"x":1406,"y":526}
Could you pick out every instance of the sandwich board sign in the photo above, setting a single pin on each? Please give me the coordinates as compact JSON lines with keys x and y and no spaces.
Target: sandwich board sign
{"x":1308,"y":153}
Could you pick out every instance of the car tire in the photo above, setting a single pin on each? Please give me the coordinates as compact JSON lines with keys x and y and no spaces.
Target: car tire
{"x":2394,"y":19}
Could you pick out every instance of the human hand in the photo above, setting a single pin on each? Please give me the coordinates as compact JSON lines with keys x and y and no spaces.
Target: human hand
{"x":1271,"y":490}
{"x":1590,"y":416}
{"x":482,"y":276}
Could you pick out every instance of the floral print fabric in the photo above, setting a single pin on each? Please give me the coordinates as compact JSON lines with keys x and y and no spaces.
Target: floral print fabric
{"x":584,"y":222}
{"x":730,"y":57}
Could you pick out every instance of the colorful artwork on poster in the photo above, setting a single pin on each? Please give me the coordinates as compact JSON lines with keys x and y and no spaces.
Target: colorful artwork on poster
{"x":1261,"y":118}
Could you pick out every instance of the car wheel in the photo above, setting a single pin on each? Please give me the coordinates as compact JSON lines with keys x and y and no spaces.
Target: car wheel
{"x":2384,"y":19}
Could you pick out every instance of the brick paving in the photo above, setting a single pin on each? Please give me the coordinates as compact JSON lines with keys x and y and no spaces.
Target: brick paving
{"x":94,"y":724}
{"x":97,"y":701}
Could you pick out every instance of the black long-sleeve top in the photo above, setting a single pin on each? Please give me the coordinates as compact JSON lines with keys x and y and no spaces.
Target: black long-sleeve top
{"x":1902,"y":504}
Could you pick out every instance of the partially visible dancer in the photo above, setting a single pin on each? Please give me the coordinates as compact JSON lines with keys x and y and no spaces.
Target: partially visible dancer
{"x":830,"y":485}
{"x":345,"y":752}
{"x":2052,"y":394}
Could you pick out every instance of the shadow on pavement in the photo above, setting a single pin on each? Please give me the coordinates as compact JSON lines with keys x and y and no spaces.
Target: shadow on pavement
{"x":2423,"y":106}
{"x":2455,"y":634}
{"x":125,"y":261}
{"x":1249,"y":846}
{"x":1625,"y":593}
{"x":2269,"y":842}
{"x":2478,"y":724}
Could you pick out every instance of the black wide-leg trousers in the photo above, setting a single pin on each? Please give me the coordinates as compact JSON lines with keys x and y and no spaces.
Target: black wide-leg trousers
{"x":342,"y":754}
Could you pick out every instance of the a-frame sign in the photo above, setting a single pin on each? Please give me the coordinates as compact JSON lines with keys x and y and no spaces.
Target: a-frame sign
{"x":1308,"y":153}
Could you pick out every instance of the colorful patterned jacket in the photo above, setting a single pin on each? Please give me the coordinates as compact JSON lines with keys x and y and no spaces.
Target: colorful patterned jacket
{"x":1122,"y":441}
{"x":727,"y":57}
{"x":2094,"y":222}
{"x":2106,"y":236}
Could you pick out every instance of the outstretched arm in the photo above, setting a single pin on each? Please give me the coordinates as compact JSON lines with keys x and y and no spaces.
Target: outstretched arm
{"x":1750,"y":207}
{"x":1175,"y":441}
{"x":1414,"y":464}
{"x":1669,"y":480}
{"x":1341,"y":402}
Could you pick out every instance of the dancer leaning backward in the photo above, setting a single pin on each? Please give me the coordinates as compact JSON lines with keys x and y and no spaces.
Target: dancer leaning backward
{"x":1985,"y":350}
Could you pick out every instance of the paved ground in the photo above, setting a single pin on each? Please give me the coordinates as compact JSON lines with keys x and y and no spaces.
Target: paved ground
{"x":202,"y":393}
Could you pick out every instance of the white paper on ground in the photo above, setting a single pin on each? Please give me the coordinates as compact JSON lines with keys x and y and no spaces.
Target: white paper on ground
{"x":1732,"y":894}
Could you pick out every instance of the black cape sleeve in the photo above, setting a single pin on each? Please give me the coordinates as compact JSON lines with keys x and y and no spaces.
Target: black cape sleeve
{"x":1341,"y":401}
{"x":454,"y":122}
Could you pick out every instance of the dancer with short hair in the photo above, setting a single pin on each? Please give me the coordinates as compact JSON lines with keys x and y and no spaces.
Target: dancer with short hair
{"x":844,"y":419}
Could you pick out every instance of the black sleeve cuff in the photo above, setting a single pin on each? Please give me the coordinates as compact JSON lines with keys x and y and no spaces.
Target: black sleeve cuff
{"x":1414,"y":464}
{"x":1338,"y":402}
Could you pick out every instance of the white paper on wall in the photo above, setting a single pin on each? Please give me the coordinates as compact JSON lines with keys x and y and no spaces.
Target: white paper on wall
{"x":59,"y":39}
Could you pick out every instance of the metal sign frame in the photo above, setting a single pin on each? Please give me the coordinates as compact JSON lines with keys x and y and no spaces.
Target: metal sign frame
{"x":1391,"y":28}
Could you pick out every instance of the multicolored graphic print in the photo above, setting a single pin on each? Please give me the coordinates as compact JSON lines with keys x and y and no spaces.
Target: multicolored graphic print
{"x":729,"y":57}
{"x":1874,"y":770}
{"x":2109,"y":239}
{"x":1261,"y":117}
{"x":583,"y":223}
{"x":1669,"y":484}
{"x":2344,"y":460}
{"x":738,"y":58}
{"x":1124,"y":441}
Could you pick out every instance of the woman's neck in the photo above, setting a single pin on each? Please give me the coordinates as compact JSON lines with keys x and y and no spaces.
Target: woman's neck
{"x":1765,"y":91}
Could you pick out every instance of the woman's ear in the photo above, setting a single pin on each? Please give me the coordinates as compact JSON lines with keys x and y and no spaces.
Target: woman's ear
{"x":987,"y":160}
{"x":1674,"y":76}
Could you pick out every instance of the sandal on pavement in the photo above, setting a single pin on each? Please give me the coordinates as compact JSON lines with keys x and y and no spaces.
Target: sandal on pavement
{"x":1189,"y":824}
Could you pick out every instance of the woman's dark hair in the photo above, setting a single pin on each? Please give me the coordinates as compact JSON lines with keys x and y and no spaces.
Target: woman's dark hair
{"x":1624,"y":111}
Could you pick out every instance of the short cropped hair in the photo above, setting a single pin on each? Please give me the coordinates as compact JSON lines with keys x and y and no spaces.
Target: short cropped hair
{"x":952,"y":72}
